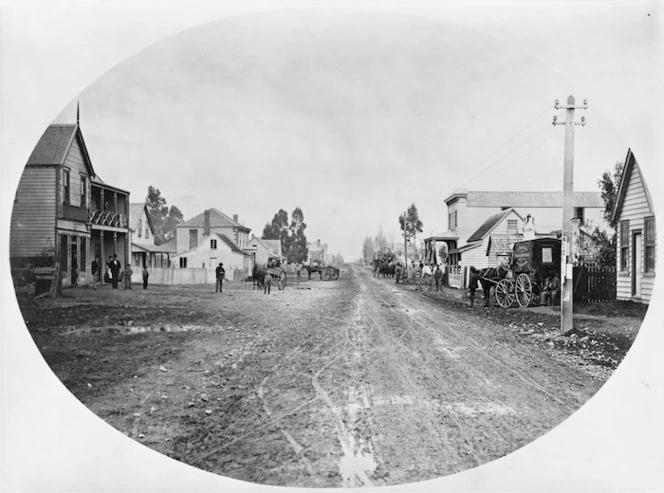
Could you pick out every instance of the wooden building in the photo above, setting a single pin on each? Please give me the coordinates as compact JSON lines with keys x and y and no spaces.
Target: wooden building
{"x":636,"y":237}
{"x":63,"y":212}
{"x":190,"y":233}
{"x":144,"y":250}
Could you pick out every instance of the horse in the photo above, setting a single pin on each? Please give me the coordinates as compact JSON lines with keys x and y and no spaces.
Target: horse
{"x":313,"y":268}
{"x":488,"y":278}
{"x":258,"y":275}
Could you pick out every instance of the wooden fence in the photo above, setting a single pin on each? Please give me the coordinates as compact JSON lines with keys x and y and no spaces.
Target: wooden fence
{"x":172,"y":276}
{"x":456,"y":276}
{"x":594,"y":284}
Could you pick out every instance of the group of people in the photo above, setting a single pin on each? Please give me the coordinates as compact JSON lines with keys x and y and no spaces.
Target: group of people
{"x":421,"y":273}
{"x":114,"y":273}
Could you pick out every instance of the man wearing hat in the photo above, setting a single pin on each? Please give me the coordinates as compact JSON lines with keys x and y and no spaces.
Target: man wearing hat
{"x":115,"y":267}
{"x":220,"y":272}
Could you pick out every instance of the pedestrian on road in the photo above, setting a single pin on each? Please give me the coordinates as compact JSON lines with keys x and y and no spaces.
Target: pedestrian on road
{"x":127,"y":276}
{"x":397,"y":272}
{"x":95,"y":271}
{"x":267,"y":283}
{"x":298,"y":271}
{"x":438,"y":277}
{"x":146,"y":274}
{"x":115,"y":271}
{"x":472,"y":285}
{"x":220,"y":273}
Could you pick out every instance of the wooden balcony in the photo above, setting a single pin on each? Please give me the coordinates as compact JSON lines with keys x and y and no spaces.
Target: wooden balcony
{"x":108,"y":218}
{"x":74,"y":213}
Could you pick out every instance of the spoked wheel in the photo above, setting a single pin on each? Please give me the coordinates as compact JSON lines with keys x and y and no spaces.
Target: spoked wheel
{"x":281,"y":282}
{"x":524,"y":290}
{"x":326,"y":275}
{"x":335,"y":275}
{"x":505,"y":293}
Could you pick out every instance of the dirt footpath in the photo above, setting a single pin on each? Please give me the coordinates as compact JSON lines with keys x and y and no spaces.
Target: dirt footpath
{"x":343,"y":383}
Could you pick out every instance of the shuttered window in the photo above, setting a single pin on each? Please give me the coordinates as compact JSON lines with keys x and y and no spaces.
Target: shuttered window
{"x":650,"y":244}
{"x":624,"y":246}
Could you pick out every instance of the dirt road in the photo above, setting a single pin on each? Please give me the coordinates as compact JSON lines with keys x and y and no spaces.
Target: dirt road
{"x":347,"y":383}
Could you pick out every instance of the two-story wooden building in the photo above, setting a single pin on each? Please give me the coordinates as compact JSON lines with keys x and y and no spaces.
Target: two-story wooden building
{"x":63,"y":212}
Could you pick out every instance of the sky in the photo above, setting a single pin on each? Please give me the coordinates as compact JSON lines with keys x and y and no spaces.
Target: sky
{"x":353,"y":116}
{"x":367,"y":107}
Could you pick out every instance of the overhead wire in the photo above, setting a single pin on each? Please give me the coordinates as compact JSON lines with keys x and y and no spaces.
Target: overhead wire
{"x":490,"y":158}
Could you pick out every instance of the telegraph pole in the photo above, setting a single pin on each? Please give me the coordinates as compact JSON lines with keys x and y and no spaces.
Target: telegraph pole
{"x":405,"y":242}
{"x":566,"y":254}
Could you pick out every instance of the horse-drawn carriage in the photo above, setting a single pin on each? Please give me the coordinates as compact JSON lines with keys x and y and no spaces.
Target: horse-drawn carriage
{"x":273,"y":269}
{"x":326,"y":272}
{"x":534,"y":264}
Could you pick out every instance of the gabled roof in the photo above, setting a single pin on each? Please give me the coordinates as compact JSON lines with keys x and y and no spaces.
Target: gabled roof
{"x":630,"y":162}
{"x":490,"y":224}
{"x":260,"y":241}
{"x":54,"y":145}
{"x":135,"y":211}
{"x":502,"y":244}
{"x":217,"y":220}
{"x":466,"y":247}
{"x":135,"y":247}
{"x":169,"y":246}
{"x":527,"y":199}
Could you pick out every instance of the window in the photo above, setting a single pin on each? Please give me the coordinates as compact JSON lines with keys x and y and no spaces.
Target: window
{"x":193,"y":238}
{"x":147,"y":229}
{"x":650,"y":244}
{"x":84,"y":190}
{"x":140,"y":227}
{"x":456,"y":220}
{"x":213,"y":244}
{"x":65,"y":183}
{"x":547,"y":255}
{"x":183,"y":262}
{"x":512,"y":225}
{"x":579,"y":213}
{"x":449,"y":221}
{"x":624,"y":246}
{"x":84,"y":256}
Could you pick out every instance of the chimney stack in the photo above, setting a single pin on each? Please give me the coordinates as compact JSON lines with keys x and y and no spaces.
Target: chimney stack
{"x":206,"y":223}
{"x":235,"y":218}
{"x":318,"y":242}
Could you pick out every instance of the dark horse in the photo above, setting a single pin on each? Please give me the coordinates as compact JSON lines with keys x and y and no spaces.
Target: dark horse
{"x":258,"y":275}
{"x":314,"y":268}
{"x":489,"y":277}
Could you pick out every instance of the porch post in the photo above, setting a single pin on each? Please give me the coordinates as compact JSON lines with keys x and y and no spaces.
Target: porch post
{"x":102,"y":254}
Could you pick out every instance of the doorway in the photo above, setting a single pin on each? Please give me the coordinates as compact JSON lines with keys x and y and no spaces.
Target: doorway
{"x":637,"y":263}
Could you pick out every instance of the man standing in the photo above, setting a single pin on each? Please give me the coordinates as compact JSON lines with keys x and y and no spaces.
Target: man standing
{"x":438,"y":277}
{"x":267,"y":283}
{"x":127,"y":276}
{"x":220,"y":273}
{"x":94,"y":270}
{"x":115,"y":271}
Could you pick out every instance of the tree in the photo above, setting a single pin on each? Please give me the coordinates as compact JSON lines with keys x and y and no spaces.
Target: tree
{"x":292,"y":237}
{"x":380,"y":242}
{"x":368,"y":248}
{"x":413,"y":224}
{"x":608,"y":185}
{"x":164,"y":219}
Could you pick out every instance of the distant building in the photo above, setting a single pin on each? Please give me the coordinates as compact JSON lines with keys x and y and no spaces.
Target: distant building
{"x":262,"y":250}
{"x":317,"y":252}
{"x":212,"y":237}
{"x":64,"y":211}
{"x":144,"y":251}
{"x":636,"y":237}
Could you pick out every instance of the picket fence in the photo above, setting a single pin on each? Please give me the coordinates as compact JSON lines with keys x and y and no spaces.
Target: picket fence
{"x":171,"y":276}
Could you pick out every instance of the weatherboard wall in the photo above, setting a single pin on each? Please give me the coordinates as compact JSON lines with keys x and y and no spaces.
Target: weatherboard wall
{"x":635,"y":208}
{"x":33,"y":216}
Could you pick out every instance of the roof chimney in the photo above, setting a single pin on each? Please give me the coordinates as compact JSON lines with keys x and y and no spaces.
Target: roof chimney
{"x":318,"y":242}
{"x":206,"y":222}
{"x":235,"y":217}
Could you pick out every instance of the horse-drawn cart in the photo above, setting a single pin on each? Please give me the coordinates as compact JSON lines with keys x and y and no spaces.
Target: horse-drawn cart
{"x":534,"y":262}
{"x":273,"y":269}
{"x":326,"y":272}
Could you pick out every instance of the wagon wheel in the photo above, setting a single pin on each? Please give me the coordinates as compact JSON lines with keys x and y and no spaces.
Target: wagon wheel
{"x":326,"y":275}
{"x":505,"y":293}
{"x":524,"y":290}
{"x":335,"y":275}
{"x":281,"y":281}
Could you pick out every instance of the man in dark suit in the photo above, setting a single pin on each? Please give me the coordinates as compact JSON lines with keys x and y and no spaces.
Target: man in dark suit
{"x":220,"y":273}
{"x":115,"y":271}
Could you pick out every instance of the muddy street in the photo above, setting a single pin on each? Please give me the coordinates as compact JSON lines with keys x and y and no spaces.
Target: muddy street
{"x":354,"y":382}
